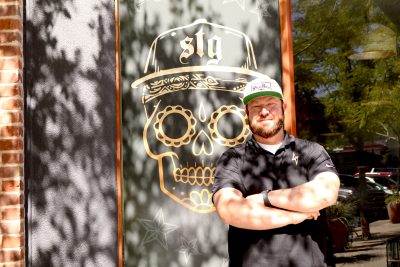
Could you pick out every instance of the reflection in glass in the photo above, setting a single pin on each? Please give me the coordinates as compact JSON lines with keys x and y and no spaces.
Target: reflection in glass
{"x":347,"y":81}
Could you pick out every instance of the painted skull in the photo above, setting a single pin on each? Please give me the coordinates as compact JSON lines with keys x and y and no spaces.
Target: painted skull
{"x":186,"y":131}
{"x":193,"y":106}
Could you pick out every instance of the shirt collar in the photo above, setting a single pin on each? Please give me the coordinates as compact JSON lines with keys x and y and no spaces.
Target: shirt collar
{"x":287,"y":140}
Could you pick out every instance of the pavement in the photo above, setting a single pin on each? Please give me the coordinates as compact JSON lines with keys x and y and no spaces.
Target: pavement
{"x":372,"y":252}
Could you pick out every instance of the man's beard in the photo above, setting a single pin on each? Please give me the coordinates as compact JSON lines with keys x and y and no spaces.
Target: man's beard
{"x":267,"y":132}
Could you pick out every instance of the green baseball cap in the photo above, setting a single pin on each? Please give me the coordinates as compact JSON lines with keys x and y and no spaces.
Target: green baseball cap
{"x":261,"y":87}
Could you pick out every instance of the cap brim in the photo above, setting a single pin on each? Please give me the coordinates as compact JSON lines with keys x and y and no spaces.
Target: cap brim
{"x":250,"y":97}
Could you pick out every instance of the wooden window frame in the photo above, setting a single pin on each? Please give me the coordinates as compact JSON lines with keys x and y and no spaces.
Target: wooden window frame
{"x":288,"y":92}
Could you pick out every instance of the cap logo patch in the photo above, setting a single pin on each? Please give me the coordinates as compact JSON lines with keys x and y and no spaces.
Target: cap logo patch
{"x":261,"y":86}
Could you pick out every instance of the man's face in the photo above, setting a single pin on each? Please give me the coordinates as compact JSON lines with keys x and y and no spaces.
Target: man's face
{"x":266,"y":116}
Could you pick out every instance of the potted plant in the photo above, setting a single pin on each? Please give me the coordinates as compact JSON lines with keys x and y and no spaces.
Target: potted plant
{"x":339,"y":217}
{"x":393,"y":206}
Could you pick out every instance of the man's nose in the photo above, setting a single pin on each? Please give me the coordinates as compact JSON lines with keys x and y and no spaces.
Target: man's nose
{"x":264,"y":111}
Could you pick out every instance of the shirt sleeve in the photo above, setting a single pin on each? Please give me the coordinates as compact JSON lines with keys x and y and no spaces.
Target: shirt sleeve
{"x":319,"y":161}
{"x":227,"y":173}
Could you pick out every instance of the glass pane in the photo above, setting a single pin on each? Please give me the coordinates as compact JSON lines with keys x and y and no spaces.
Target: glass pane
{"x":184,"y":65}
{"x":348,"y":99}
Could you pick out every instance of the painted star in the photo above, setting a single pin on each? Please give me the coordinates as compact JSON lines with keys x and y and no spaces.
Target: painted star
{"x":188,"y":248}
{"x":157,"y":229}
{"x":261,"y":9}
{"x":139,"y":4}
{"x":239,"y":2}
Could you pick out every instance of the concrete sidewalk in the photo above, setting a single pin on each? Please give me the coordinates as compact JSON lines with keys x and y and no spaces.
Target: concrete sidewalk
{"x":370,"y":253}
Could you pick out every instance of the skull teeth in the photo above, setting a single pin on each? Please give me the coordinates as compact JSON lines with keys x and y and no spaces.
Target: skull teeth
{"x":201,"y":176}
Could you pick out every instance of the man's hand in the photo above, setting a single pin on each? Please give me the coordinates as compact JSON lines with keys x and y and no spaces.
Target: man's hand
{"x":297,"y":216}
{"x":314,"y":195}
{"x":250,"y":213}
{"x":257,"y":198}
{"x":313,"y":215}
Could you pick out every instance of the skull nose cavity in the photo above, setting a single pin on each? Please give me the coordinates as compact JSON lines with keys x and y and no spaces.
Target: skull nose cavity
{"x":202,"y":144}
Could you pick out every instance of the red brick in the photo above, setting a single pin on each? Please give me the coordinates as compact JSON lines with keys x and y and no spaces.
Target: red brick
{"x":10,"y":24}
{"x":10,"y":90}
{"x":11,"y":144}
{"x":7,"y":158}
{"x":11,"y":185}
{"x":10,"y":37}
{"x":8,"y":172}
{"x":10,"y":199}
{"x":8,"y":104}
{"x":11,"y":227}
{"x":9,"y":77}
{"x":10,"y":117}
{"x":11,"y":255}
{"x":7,"y":1}
{"x":12,"y":213}
{"x":10,"y":10}
{"x":10,"y":63}
{"x":9,"y":50}
{"x":15,"y":264}
{"x":11,"y":131}
{"x":12,"y":241}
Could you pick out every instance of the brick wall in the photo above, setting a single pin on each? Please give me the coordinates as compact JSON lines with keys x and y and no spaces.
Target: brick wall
{"x":11,"y":135}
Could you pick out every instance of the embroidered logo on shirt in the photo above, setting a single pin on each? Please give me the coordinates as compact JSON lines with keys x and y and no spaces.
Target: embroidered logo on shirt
{"x":295,"y":158}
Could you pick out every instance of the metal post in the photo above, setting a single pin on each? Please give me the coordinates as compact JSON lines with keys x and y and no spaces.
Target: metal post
{"x":362,"y":189}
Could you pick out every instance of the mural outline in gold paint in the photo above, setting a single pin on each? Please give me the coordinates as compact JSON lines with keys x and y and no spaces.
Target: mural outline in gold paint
{"x":201,"y":68}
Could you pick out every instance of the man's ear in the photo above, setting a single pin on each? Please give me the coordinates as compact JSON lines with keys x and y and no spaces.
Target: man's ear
{"x":247,"y":115}
{"x":284,"y":106}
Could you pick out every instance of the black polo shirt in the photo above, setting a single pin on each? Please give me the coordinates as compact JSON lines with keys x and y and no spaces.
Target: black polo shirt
{"x":251,"y":169}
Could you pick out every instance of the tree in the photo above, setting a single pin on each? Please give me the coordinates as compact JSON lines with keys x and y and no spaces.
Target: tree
{"x":355,"y":102}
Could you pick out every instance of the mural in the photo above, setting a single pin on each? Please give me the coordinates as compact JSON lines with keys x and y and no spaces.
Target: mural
{"x":185,"y":151}
{"x":184,"y":68}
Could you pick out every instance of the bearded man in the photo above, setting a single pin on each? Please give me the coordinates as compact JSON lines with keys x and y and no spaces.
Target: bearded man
{"x":272,"y":190}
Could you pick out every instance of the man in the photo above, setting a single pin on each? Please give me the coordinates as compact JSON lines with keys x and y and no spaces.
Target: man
{"x":272,"y":189}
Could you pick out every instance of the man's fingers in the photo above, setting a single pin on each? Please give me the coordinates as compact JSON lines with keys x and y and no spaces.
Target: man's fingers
{"x":313,"y":215}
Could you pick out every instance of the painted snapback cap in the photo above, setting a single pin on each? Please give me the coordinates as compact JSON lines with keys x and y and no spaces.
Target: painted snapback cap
{"x":261,"y":87}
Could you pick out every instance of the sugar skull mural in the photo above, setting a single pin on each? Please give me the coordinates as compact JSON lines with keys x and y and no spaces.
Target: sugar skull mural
{"x":184,"y":68}
{"x":191,"y":94}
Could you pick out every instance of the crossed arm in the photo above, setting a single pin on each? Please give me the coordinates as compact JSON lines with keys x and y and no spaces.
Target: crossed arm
{"x":293,"y":205}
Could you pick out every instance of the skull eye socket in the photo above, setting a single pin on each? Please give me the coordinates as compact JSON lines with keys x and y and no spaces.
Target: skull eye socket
{"x":175,"y":126}
{"x":228,"y":126}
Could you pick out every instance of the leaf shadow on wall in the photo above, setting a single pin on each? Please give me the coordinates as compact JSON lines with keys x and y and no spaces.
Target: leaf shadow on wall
{"x":70,"y":135}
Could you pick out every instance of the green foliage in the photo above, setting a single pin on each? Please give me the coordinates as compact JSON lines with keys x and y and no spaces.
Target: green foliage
{"x":395,"y":197}
{"x":353,"y":102}
{"x":343,"y":210}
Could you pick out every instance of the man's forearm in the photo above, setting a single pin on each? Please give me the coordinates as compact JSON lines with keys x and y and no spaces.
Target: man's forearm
{"x":235,"y":210}
{"x":311,"y":196}
{"x":308,"y":197}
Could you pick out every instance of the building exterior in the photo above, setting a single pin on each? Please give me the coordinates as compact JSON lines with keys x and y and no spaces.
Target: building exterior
{"x":60,"y":151}
{"x":12,"y":220}
{"x":63,"y":72}
{"x":49,"y":75}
